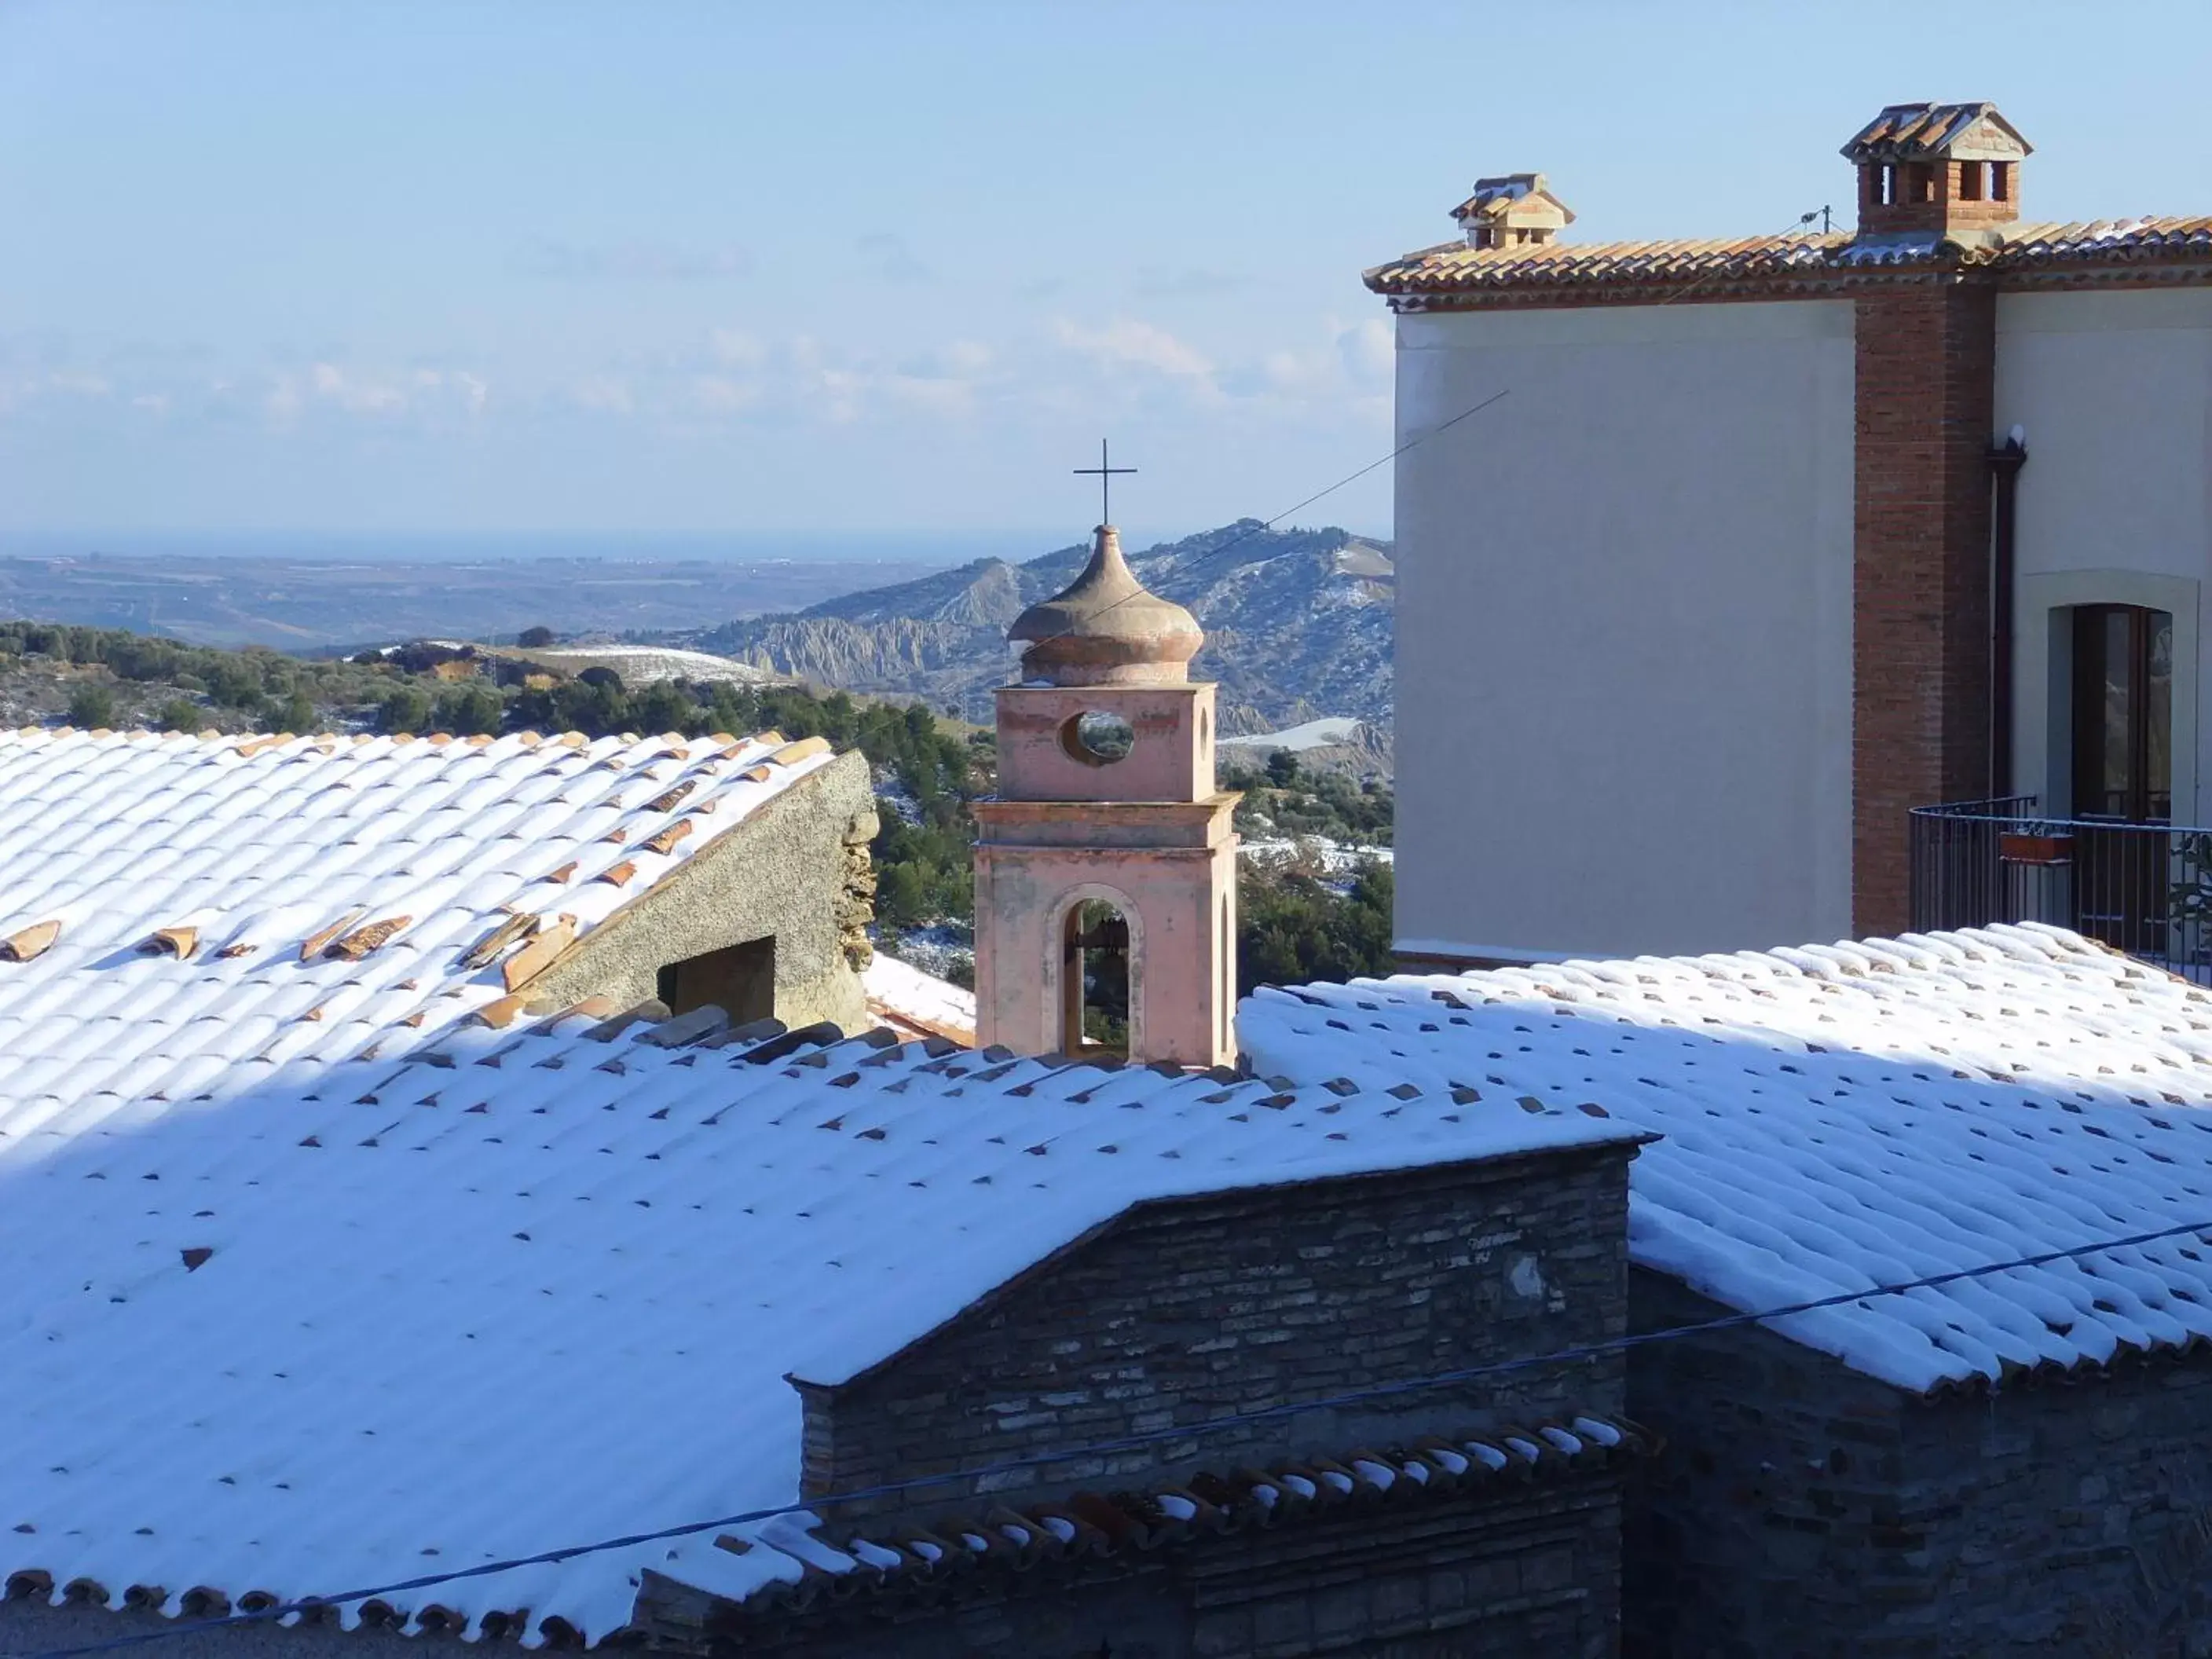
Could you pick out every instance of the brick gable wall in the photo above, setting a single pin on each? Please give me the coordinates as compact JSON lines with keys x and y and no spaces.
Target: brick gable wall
{"x":1192,"y":1309}
{"x":1182,"y":1311}
{"x":1926,"y":355}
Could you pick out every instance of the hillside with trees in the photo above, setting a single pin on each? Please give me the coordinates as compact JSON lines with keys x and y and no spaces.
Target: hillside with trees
{"x":1299,"y":625}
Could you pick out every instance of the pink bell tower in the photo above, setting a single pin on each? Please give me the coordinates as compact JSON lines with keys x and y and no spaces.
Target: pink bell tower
{"x":1107,"y":847}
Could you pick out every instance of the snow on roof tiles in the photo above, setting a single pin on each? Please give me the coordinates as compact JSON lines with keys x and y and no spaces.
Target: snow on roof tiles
{"x":1090,"y":1525}
{"x":164,"y":892}
{"x":1840,"y":1116}
{"x":918,"y":1004}
{"x":531,"y":1288}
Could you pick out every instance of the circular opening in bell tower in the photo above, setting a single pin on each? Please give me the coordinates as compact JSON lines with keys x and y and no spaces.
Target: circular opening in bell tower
{"x":1096,"y":738}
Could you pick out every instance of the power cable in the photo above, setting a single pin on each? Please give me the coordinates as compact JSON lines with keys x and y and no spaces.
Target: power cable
{"x":1147,"y":1437}
{"x":1219,"y":1424}
{"x":1705,"y":281}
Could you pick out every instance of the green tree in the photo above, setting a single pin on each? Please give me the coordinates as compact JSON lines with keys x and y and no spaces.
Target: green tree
{"x":298,"y":715}
{"x":467,"y":709}
{"x":664,"y":706}
{"x":901,"y":901}
{"x":91,"y":705}
{"x":178,"y":715}
{"x":403,"y":709}
{"x":1295,"y":926}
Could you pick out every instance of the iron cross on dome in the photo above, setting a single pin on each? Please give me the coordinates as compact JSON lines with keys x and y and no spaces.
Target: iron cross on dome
{"x":1106,"y":474}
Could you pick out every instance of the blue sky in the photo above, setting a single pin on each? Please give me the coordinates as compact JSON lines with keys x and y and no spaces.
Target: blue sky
{"x":463,"y":267}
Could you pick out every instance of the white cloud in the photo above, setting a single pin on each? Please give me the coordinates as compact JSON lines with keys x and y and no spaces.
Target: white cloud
{"x":1350,"y":365}
{"x":353,"y":393}
{"x":604,"y":393}
{"x":1128,"y":343}
{"x":428,"y":397}
{"x":718,"y":394}
{"x":1370,"y":351}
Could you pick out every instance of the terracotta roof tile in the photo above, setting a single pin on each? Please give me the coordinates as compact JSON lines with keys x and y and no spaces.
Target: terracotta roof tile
{"x":1453,"y":268}
{"x":284,"y":860}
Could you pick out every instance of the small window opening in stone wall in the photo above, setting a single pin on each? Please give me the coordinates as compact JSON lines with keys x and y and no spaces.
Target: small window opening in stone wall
{"x":1095,"y":980}
{"x":1919,"y":183}
{"x":2000,"y":181}
{"x":1886,"y":184}
{"x":1971,"y":175}
{"x":738,"y":979}
{"x":1096,"y":737}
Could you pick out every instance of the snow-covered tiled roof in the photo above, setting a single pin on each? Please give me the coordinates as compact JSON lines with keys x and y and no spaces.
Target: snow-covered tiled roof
{"x":917,"y":1004}
{"x":535,"y":1287}
{"x":1841,"y":1117}
{"x":182,"y":915}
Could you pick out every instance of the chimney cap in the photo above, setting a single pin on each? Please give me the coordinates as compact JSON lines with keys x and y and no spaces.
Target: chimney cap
{"x":1513,"y":195}
{"x":1923,"y":132}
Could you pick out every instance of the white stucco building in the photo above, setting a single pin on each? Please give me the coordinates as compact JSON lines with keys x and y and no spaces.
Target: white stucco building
{"x":1701,"y":608}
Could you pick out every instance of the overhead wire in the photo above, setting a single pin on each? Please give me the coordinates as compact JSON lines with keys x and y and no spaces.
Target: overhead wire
{"x":1139,"y":1439}
{"x":1705,"y":280}
{"x":1212,"y":1427}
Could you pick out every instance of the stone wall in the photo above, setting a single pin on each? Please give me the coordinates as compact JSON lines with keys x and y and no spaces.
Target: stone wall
{"x":1196,"y":1309}
{"x":1800,"y":1508}
{"x":789,"y":872}
{"x":1181,"y":1311}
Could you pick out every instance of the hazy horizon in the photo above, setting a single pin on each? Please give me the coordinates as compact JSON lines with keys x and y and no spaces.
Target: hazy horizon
{"x":947,"y":547}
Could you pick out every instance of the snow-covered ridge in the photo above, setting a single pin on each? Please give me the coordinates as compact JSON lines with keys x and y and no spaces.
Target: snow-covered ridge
{"x":644,"y":664}
{"x":1845,"y":1115}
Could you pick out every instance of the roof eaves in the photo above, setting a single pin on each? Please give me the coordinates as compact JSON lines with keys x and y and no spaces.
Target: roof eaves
{"x":949,"y":1549}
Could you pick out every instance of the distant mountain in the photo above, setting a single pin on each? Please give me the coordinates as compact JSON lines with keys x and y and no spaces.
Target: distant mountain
{"x":1299,"y":625}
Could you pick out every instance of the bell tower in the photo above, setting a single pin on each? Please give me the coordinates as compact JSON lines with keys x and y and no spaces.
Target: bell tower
{"x":1105,"y":866}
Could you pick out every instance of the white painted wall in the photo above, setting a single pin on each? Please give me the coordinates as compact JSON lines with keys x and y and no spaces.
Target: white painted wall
{"x":2115,"y":391}
{"x":1625,"y":629}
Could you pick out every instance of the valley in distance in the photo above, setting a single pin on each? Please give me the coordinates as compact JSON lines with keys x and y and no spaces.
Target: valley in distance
{"x":1298,"y":621}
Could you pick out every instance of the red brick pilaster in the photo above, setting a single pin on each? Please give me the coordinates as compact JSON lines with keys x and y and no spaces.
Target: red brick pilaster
{"x":1926,"y":359}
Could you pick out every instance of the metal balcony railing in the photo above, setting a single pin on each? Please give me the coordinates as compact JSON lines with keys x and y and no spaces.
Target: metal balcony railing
{"x":2142,"y":888}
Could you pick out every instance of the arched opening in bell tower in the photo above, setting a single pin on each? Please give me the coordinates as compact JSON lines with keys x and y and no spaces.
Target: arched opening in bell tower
{"x":1096,"y":1015}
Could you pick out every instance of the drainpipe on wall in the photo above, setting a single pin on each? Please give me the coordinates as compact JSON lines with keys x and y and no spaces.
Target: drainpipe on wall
{"x":2005,"y":461}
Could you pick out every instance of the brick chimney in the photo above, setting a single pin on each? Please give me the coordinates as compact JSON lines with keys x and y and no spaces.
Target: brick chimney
{"x":1937,"y":170}
{"x":1514,"y":210}
{"x":1925,"y":356}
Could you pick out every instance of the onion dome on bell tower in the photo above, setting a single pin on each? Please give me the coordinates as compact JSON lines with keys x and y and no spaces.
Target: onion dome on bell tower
{"x":1106,"y":628}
